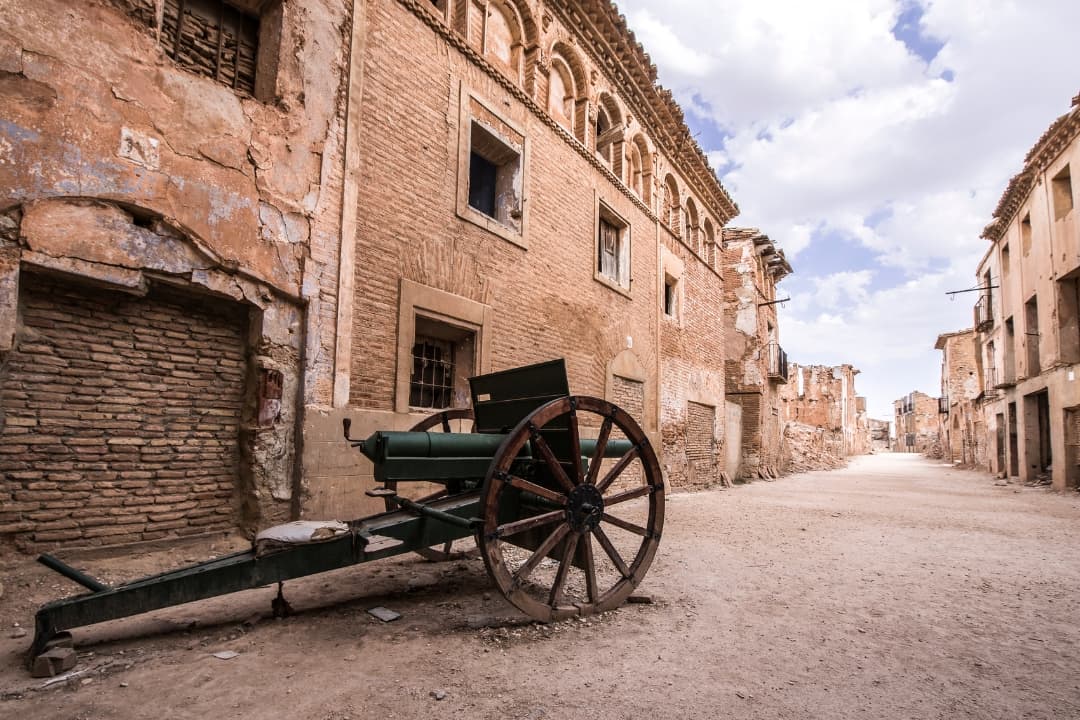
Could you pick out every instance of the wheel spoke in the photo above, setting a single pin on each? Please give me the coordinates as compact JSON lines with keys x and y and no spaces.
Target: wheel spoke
{"x":598,"y":454}
{"x":531,"y":487}
{"x":575,"y":446}
{"x":616,"y":471}
{"x":529,"y":523}
{"x":546,"y":547}
{"x":629,"y":527}
{"x":612,"y":553}
{"x":628,"y":495}
{"x":564,"y":567}
{"x":445,"y":423}
{"x":590,"y":569}
{"x":552,"y":461}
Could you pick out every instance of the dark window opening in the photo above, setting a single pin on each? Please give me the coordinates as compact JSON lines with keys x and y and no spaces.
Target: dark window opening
{"x":670,"y":298}
{"x":482,"y":178}
{"x":1061,"y":188}
{"x":494,"y":177}
{"x":212,"y":38}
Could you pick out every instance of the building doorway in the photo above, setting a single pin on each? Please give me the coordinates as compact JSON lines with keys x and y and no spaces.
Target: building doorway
{"x":1000,"y":442}
{"x":1037,"y":433}
{"x":1014,"y":443}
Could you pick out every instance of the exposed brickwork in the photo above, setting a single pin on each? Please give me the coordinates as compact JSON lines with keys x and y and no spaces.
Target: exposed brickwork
{"x":692,"y":354}
{"x":121,"y":417}
{"x":630,"y":396}
{"x":421,"y":83}
{"x":701,"y":442}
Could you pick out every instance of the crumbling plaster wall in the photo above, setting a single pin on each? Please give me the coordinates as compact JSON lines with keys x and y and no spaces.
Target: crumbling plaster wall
{"x":749,"y":290}
{"x":119,"y":168}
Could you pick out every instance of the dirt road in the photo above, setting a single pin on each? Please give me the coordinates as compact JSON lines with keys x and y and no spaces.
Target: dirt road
{"x":897,"y":588}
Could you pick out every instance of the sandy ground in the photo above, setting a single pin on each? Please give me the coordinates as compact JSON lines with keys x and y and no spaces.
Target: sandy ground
{"x":896,"y":588}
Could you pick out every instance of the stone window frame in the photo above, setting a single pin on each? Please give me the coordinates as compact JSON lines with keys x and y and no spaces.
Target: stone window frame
{"x":671,"y":266}
{"x":466,"y":212}
{"x":444,"y":307}
{"x":603,"y":211}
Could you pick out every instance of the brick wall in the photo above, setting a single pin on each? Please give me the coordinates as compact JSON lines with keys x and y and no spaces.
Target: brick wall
{"x":701,"y":442}
{"x":121,"y":417}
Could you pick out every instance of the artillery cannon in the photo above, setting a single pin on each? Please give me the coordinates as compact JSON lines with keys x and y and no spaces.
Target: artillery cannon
{"x":526,"y":484}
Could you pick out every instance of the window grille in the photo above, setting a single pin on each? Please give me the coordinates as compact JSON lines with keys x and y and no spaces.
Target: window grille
{"x":212,"y":38}
{"x":432,"y":382}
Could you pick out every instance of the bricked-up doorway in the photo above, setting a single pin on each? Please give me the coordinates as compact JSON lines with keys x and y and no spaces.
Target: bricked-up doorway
{"x":121,"y":415}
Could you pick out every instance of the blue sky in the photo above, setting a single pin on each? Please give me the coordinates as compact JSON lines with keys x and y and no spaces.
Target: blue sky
{"x":872,"y":141}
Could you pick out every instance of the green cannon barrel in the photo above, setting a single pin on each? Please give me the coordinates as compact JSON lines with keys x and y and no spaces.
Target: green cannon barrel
{"x":385,"y":445}
{"x":454,"y":457}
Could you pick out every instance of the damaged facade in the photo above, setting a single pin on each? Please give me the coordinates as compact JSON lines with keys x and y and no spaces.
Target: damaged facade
{"x":961,"y":427}
{"x":917,"y":424}
{"x":169,"y":228}
{"x":825,"y":422}
{"x":1027,"y":333}
{"x":755,"y":363}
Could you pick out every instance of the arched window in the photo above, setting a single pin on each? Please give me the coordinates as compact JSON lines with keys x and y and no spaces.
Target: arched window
{"x":567,"y":87}
{"x":690,"y":226}
{"x":561,"y":94}
{"x":607,"y":134}
{"x":503,"y":39}
{"x":669,"y":211}
{"x":710,"y":242}
{"x":639,"y":176}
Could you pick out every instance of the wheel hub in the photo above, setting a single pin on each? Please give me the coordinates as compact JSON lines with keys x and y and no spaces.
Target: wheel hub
{"x":584,"y":507}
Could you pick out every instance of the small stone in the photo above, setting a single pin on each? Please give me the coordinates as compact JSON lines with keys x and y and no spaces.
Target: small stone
{"x":384,"y":614}
{"x":740,"y":694}
{"x":640,"y":599}
{"x":438,"y":694}
{"x":18,"y":632}
{"x":226,"y":654}
{"x":87,"y":681}
{"x":123,"y":684}
{"x":53,"y":662}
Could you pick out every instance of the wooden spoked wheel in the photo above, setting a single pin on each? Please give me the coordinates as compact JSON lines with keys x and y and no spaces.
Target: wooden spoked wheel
{"x":574,"y":538}
{"x":453,"y":420}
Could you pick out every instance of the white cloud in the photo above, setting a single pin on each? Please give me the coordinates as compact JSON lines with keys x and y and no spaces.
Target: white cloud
{"x":835,"y":129}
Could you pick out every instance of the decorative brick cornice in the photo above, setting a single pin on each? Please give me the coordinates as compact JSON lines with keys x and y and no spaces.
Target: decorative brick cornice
{"x":613,"y":46}
{"x":422,"y":10}
{"x":1061,"y":132}
{"x":604,"y":34}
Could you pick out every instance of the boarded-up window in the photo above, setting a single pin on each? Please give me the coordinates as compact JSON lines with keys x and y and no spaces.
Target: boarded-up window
{"x":212,"y":38}
{"x":701,"y":441}
{"x":613,"y":247}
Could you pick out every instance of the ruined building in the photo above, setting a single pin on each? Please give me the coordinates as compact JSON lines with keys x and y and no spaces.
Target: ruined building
{"x":961,"y":427}
{"x":879,"y":435}
{"x":917,"y":424}
{"x":755,"y":363}
{"x":225,"y":226}
{"x":1027,"y":334}
{"x":825,"y":422}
